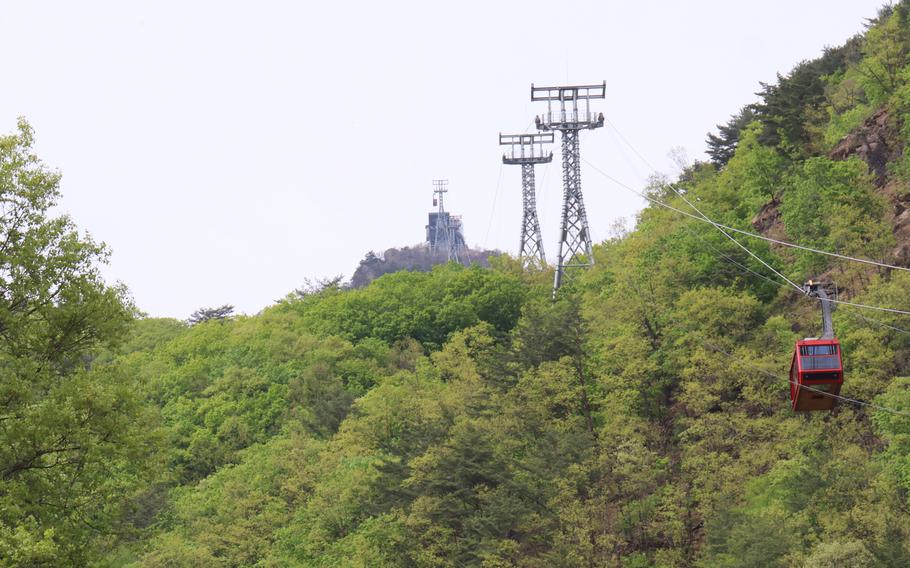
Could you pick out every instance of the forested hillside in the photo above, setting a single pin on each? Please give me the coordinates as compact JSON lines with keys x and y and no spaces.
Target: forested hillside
{"x":460,"y":417}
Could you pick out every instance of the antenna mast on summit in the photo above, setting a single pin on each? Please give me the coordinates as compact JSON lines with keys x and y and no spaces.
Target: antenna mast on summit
{"x":575,"y":250}
{"x":444,"y":238}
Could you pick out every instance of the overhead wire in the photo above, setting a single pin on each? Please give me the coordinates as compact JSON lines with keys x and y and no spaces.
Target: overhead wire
{"x":741,"y":231}
{"x":777,"y":283}
{"x":702,"y":217}
{"x":880,"y":323}
{"x":730,"y":259}
{"x":722,"y":228}
{"x":486,"y":238}
{"x":797,"y":286}
{"x":737,"y":243}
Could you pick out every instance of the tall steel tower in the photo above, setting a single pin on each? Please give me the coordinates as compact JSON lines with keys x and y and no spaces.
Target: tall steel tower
{"x":444,"y":237}
{"x":527,"y":150}
{"x":575,"y":237}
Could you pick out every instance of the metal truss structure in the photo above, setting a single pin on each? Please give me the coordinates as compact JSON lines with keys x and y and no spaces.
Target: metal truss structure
{"x":445,"y":239}
{"x":527,"y":151}
{"x":575,"y":238}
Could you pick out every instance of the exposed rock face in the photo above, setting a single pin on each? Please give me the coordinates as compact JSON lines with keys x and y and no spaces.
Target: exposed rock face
{"x":874,"y":142}
{"x":768,"y":218}
{"x":895,"y":191}
{"x":877,"y":142}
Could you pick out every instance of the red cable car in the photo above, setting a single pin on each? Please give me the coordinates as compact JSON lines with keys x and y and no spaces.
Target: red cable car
{"x":816,"y":370}
{"x":816,"y":373}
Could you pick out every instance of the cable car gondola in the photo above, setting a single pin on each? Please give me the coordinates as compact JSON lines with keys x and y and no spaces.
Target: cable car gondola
{"x":816,"y":369}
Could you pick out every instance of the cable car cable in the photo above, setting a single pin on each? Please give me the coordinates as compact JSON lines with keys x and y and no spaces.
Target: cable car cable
{"x":701,"y":216}
{"x":742,"y":232}
{"x":730,"y":259}
{"x":807,"y":387}
{"x":737,"y":243}
{"x":779,"y":284}
{"x":734,"y":229}
{"x":772,"y":375}
{"x":797,"y":286}
{"x":486,"y":238}
{"x":879,"y":323}
{"x":722,"y":228}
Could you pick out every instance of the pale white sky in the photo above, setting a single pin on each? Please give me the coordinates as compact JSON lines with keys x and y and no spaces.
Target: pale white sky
{"x":225,"y":151}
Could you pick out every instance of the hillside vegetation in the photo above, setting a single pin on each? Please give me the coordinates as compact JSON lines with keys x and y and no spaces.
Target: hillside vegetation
{"x":460,"y":417}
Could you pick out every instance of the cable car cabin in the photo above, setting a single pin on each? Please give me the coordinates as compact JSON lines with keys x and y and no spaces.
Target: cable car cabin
{"x":815,"y":369}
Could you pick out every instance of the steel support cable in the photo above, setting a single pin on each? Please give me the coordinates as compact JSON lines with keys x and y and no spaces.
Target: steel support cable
{"x":722,"y":228}
{"x":777,"y":283}
{"x":807,"y":387}
{"x":486,"y":238}
{"x":868,"y":307}
{"x":737,"y":243}
{"x":719,"y":227}
{"x":790,"y":282}
{"x":726,"y":257}
{"x":797,"y":286}
{"x":626,"y":142}
{"x":880,"y":323}
{"x":748,"y":233}
{"x":704,"y":217}
{"x":730,"y":355}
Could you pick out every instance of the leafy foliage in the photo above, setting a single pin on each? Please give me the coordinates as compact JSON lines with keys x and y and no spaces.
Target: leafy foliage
{"x":459,"y":417}
{"x":71,"y":433}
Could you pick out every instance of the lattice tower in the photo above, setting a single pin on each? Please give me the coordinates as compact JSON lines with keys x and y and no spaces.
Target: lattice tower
{"x":527,"y":151}
{"x":574,"y":235}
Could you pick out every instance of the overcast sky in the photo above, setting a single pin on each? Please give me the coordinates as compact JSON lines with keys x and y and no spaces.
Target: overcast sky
{"x":226,"y":151}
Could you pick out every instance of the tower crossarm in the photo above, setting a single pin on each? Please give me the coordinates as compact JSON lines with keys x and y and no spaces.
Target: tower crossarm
{"x":565,"y":110}
{"x":527,"y":148}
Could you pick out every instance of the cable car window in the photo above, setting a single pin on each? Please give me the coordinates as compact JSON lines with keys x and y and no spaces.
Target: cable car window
{"x":819,"y":362}
{"x":818,"y":350}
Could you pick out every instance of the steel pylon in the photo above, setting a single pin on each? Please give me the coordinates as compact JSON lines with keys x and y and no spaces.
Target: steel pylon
{"x":531,"y":245}
{"x":574,"y":235}
{"x":526,"y":151}
{"x":575,"y":250}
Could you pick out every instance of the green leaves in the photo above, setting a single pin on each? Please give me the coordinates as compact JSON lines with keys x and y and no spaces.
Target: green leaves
{"x":419,"y":305}
{"x":833,"y":206}
{"x":461,"y":417}
{"x":73,"y":435}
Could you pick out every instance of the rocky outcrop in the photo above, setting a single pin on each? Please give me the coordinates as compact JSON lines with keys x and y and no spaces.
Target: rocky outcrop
{"x":418,"y":258}
{"x":875,"y":142}
{"x":768,"y":218}
{"x":899,"y":217}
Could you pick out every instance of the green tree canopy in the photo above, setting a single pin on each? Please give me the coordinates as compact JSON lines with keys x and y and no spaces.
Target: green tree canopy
{"x":68,"y":430}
